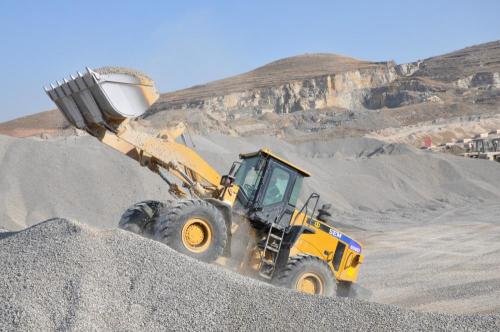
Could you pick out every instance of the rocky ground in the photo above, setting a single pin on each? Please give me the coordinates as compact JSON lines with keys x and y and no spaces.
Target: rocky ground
{"x":428,"y":221}
{"x":61,"y":275}
{"x":72,"y":177}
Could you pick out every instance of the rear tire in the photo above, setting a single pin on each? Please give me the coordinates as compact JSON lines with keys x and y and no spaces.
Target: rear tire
{"x":193,"y":227}
{"x":307,"y":274}
{"x":140,"y":217}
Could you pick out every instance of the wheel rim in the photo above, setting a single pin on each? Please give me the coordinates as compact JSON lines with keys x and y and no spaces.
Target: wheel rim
{"x":310,"y":283}
{"x":196,"y":235}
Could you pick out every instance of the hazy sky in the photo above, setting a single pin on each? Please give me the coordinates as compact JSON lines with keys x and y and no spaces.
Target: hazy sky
{"x":183,"y":43}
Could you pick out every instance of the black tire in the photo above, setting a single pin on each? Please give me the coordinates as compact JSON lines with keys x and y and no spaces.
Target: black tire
{"x":345,"y":289}
{"x":140,"y":217}
{"x":308,"y":267}
{"x":171,"y":227}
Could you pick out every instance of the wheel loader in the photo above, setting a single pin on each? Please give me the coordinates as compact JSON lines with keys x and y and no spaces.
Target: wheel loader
{"x":251,"y":213}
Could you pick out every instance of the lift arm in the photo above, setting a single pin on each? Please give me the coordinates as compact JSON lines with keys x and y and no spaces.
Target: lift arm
{"x":105,"y":102}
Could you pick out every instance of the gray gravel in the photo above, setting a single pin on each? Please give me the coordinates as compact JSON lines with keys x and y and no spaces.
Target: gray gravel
{"x":122,"y":70}
{"x":82,"y":179}
{"x":62,"y":275}
{"x":429,"y":222}
{"x":74,"y":177}
{"x":365,"y":176}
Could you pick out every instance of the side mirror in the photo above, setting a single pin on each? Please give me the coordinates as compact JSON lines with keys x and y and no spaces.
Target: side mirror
{"x":226,"y":180}
{"x":232,"y":171}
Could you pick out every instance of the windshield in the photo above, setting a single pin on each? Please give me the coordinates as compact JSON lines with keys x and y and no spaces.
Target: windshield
{"x":247,"y":177}
{"x":276,"y":189}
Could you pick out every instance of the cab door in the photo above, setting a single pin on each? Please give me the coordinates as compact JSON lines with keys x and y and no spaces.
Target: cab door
{"x":273,"y":198}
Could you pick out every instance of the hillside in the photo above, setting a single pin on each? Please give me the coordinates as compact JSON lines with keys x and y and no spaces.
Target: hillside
{"x":271,"y":75}
{"x":328,"y":77}
{"x":342,"y":96}
{"x":348,"y":97}
{"x":311,"y":81}
{"x":483,"y":58}
{"x":49,"y":122}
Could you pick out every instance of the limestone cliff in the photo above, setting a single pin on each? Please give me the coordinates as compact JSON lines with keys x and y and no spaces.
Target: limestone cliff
{"x":341,"y":96}
{"x":295,"y":84}
{"x":321,"y":81}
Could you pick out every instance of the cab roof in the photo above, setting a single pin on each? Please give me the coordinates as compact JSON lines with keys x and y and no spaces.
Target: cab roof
{"x":268,"y":152}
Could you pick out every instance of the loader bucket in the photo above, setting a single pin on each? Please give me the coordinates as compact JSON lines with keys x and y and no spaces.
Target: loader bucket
{"x":103,"y":97}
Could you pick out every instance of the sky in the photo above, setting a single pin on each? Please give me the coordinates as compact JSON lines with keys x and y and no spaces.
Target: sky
{"x":184,"y":43}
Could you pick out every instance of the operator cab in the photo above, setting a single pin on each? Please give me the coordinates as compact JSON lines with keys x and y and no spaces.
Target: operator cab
{"x":269,"y":188}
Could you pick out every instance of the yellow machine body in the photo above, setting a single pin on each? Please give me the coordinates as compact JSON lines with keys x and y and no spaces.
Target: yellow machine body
{"x":105,"y":103}
{"x":324,"y":242}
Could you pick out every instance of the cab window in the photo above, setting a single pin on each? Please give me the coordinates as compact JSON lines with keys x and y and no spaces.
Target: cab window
{"x":296,"y":191}
{"x":247,"y":177}
{"x":276,"y":189}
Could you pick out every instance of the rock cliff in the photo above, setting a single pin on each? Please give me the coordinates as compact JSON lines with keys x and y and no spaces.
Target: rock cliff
{"x":319,"y":81}
{"x":341,"y":96}
{"x":295,"y":84}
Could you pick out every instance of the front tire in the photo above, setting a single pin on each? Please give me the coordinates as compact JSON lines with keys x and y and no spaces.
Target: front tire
{"x":307,"y":274}
{"x":195,"y":228}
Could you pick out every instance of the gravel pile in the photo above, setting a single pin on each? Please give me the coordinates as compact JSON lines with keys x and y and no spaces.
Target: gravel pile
{"x":415,"y":212}
{"x":81,"y":178}
{"x":122,"y":70}
{"x":62,"y":275}
{"x":365,"y":175}
{"x":75,"y":177}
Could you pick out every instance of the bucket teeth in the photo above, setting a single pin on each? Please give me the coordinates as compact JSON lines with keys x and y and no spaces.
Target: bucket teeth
{"x":96,"y":98}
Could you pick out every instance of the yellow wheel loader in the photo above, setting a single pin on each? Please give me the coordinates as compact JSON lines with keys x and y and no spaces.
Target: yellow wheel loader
{"x":249,"y":218}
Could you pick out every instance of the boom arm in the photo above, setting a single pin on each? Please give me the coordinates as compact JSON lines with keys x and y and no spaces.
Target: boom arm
{"x":104,"y":101}
{"x":163,"y":152}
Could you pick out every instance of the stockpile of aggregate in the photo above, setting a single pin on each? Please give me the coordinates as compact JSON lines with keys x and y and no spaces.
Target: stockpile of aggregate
{"x":63,"y":275}
{"x":82,"y":179}
{"x":366,"y":175}
{"x":145,"y":79}
{"x":73,"y":177}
